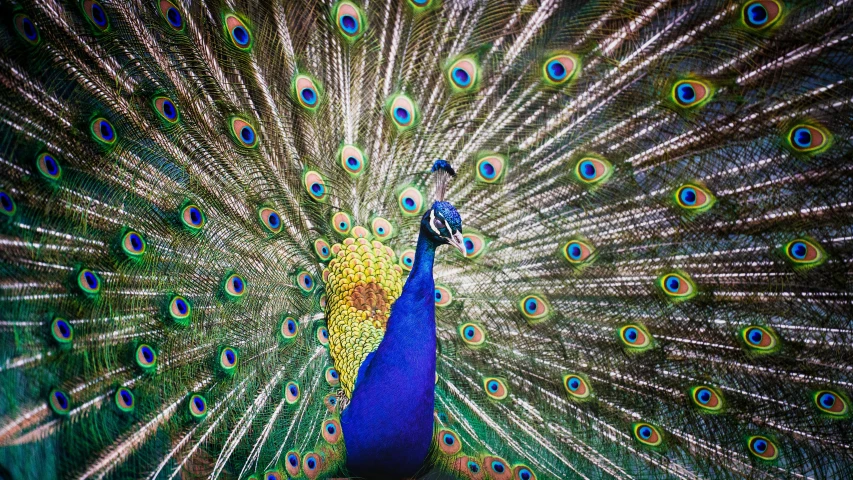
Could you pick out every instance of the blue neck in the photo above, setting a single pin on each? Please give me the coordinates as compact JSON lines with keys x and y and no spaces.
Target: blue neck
{"x":388,"y":425}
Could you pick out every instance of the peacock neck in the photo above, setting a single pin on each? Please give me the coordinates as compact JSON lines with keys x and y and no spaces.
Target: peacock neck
{"x":388,"y":426}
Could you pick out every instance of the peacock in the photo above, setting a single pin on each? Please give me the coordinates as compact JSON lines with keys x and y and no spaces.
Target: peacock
{"x":387,"y":239}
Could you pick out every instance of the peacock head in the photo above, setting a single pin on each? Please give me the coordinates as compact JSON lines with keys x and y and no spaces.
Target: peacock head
{"x":442,"y":223}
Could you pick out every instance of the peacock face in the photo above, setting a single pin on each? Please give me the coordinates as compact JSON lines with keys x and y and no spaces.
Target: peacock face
{"x":444,"y":225}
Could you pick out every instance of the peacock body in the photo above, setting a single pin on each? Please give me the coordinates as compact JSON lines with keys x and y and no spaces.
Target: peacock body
{"x":221,"y":256}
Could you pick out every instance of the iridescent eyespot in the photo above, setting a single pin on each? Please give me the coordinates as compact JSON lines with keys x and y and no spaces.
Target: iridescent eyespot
{"x":7,"y":205}
{"x":306,"y":91}
{"x":691,"y":93}
{"x":804,"y":252}
{"x":243,"y":132}
{"x":382,"y":228}
{"x":577,"y":386}
{"x":349,"y":20}
{"x":496,"y":468}
{"x":448,"y":442}
{"x":421,"y":5}
{"x":273,"y":475}
{"x":762,"y":447}
{"x":474,"y":243}
{"x":235,"y":286}
{"x":288,"y":328}
{"x":534,"y":307}
{"x":491,"y":168}
{"x":495,"y":388}
{"x":311,"y":465}
{"x":341,"y":223}
{"x":592,"y":170}
{"x":472,"y":334}
{"x":314,"y":185}
{"x":228,"y":358}
{"x":322,"y":249}
{"x":523,"y":472}
{"x":760,"y":14}
{"x":331,"y":431}
{"x":808,"y":139}
{"x":331,"y":401}
{"x":463,"y":74}
{"x":677,"y":286}
{"x":133,"y":244}
{"x":197,"y":406}
{"x":578,"y":252}
{"x":238,"y":32}
{"x":407,"y":259}
{"x":305,"y":282}
{"x":59,"y":401}
{"x":469,"y":467}
{"x":146,"y":358}
{"x":694,"y":198}
{"x":353,"y":160}
{"x":443,"y":296}
{"x":62,"y":331}
{"x":165,"y":107}
{"x":193,"y":218}
{"x":559,"y":69}
{"x":95,"y":14}
{"x":27,"y":29}
{"x":172,"y":15}
{"x":103,"y":131}
{"x":89,"y":282}
{"x":124,"y":399}
{"x":322,"y":335}
{"x":831,"y":403}
{"x":403,"y":112}
{"x":359,"y":232}
{"x":180,"y":310}
{"x":411,"y":201}
{"x":332,"y":377}
{"x":48,"y":166}
{"x":635,"y":337}
{"x":707,"y":398}
{"x":270,"y":219}
{"x":647,"y":434}
{"x":291,"y":392}
{"x":759,"y":339}
{"x":291,"y":463}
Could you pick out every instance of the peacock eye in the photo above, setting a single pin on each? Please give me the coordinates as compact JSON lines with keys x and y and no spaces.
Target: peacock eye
{"x":439,"y":223}
{"x":26,"y":29}
{"x":592,"y":170}
{"x":760,"y":14}
{"x":804,"y":252}
{"x":198,"y":407}
{"x":306,"y":91}
{"x":463,"y":74}
{"x":243,"y":132}
{"x":691,"y":93}
{"x":677,"y":286}
{"x":762,"y":448}
{"x":238,"y":32}
{"x":124,"y":399}
{"x":165,"y":107}
{"x":635,"y":337}
{"x":491,"y":168}
{"x":647,"y":434}
{"x":559,"y":69}
{"x":331,"y":431}
{"x":315,"y":185}
{"x":706,"y":398}
{"x":577,"y":252}
{"x":349,"y":20}
{"x":831,"y":403}
{"x":577,"y":386}
{"x":808,"y":139}
{"x":403,"y":112}
{"x":95,"y":14}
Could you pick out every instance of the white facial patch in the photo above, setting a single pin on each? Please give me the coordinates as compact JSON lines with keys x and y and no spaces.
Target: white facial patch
{"x":432,"y":223}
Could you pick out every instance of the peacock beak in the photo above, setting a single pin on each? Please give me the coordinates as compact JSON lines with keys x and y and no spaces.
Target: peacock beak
{"x":457,"y":241}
